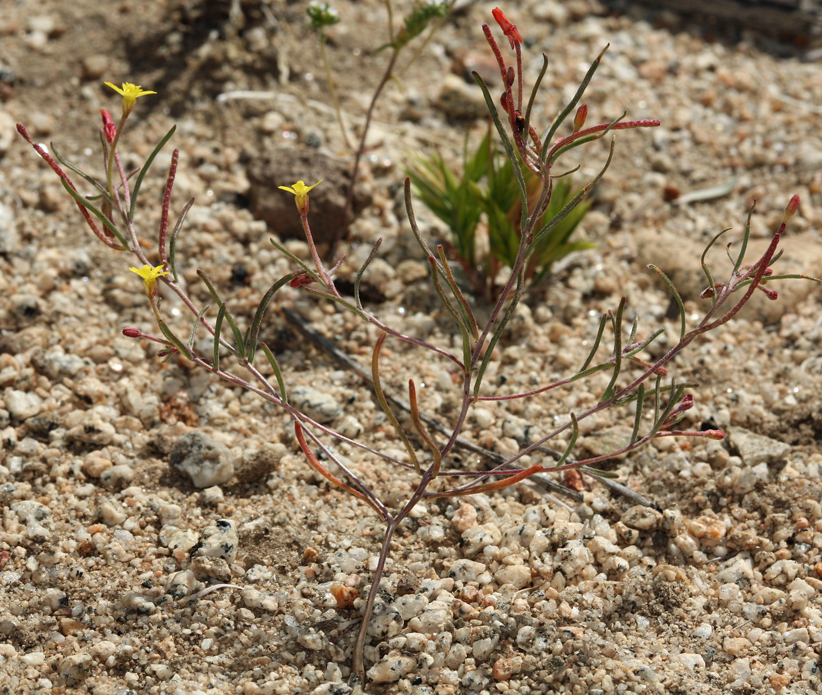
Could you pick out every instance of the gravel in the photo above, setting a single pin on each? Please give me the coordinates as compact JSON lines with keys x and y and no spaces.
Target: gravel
{"x":248,"y":573}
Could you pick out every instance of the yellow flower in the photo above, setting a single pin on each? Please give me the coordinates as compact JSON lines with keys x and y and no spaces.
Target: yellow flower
{"x":130,"y":92}
{"x":150,"y":276}
{"x":300,"y":191}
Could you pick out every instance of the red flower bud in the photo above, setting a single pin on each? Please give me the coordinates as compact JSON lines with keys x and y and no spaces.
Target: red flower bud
{"x":132,"y":332}
{"x":510,"y":30}
{"x":509,"y":76}
{"x":109,"y":129}
{"x":301,"y":279}
{"x":579,"y":119}
{"x":793,"y":206}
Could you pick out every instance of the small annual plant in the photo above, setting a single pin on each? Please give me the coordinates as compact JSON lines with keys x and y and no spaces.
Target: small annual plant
{"x":486,"y":185}
{"x":238,"y":356}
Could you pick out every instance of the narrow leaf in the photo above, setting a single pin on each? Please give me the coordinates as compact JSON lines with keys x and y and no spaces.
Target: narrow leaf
{"x":546,"y":140}
{"x":275,"y":366}
{"x":677,"y":298}
{"x":639,"y":402}
{"x":145,"y":168}
{"x":175,"y":341}
{"x":611,"y":388}
{"x":172,"y":241}
{"x":571,"y":443}
{"x":362,"y":270}
{"x":258,"y":315}
{"x":602,"y":321}
{"x":218,"y":327}
{"x":195,"y":325}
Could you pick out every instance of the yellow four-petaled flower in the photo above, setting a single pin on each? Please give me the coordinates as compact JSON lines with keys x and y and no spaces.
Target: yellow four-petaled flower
{"x":300,"y":191}
{"x":150,"y":276}
{"x":130,"y":92}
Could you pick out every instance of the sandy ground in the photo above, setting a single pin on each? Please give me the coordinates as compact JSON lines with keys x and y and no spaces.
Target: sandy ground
{"x":108,"y":546}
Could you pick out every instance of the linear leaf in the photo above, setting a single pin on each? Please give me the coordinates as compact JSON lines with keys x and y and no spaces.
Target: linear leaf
{"x":218,"y":327}
{"x":145,"y":168}
{"x":172,"y":242}
{"x":677,"y":298}
{"x":258,"y":315}
{"x":275,"y":366}
{"x":194,"y":326}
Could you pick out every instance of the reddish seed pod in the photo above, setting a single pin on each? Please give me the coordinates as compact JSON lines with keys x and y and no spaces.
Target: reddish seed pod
{"x":132,"y":332}
{"x":509,"y":76}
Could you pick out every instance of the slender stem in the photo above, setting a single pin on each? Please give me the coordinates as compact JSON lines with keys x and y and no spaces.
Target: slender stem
{"x":358,"y":664}
{"x":349,"y":199}
{"x":332,"y":91}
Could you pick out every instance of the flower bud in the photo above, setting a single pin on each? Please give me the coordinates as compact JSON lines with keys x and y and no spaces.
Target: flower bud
{"x":509,"y":76}
{"x":793,"y":206}
{"x":579,"y":119}
{"x":109,"y":129}
{"x":131,"y":332}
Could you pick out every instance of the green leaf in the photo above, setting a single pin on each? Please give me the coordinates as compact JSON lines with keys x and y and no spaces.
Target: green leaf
{"x":258,"y":315}
{"x":276,"y":369}
{"x":145,"y":168}
{"x":195,"y":325}
{"x":218,"y":328}
{"x":546,"y":140}
{"x":175,"y":341}
{"x":172,"y":242}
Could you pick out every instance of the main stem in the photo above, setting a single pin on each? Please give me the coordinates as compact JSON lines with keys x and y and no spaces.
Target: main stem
{"x":357,"y":662}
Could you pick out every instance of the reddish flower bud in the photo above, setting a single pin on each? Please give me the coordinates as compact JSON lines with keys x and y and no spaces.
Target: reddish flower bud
{"x":301,"y":279}
{"x":579,"y":119}
{"x":714,"y":434}
{"x":503,"y":100}
{"x":510,"y":30}
{"x":793,"y":206}
{"x":132,"y":332}
{"x":509,"y":76}
{"x":109,"y":129}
